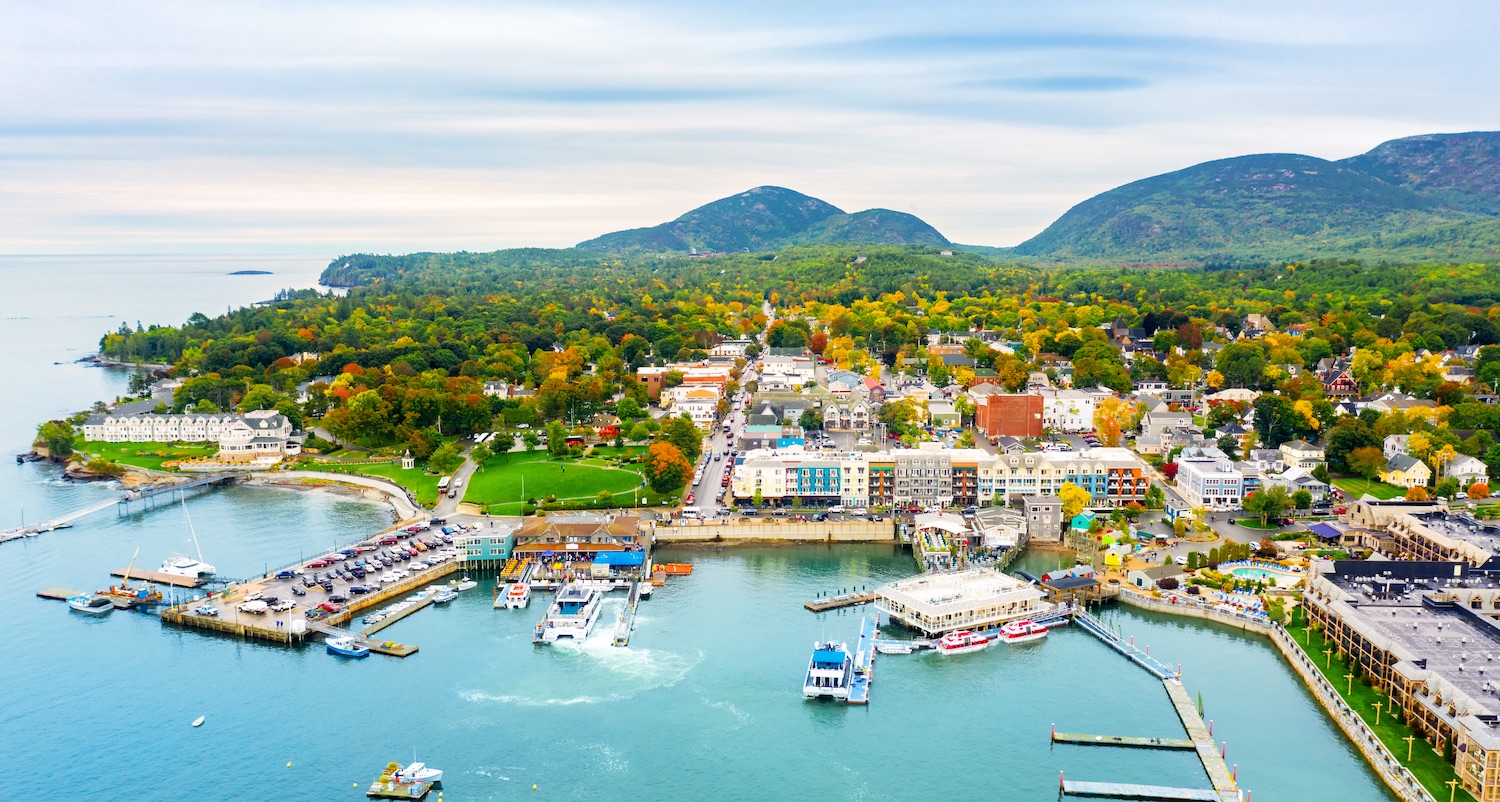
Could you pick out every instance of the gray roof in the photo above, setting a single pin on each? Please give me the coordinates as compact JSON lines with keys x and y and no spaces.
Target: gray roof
{"x":1402,"y":462}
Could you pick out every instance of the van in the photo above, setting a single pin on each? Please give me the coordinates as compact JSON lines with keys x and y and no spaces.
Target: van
{"x":692,"y":512}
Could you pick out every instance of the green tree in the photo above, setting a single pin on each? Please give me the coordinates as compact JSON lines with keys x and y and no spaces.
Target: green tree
{"x":531,"y":439}
{"x":557,"y":440}
{"x":685,"y":436}
{"x":1446,"y":488}
{"x":480,"y":454}
{"x":629,"y":409}
{"x":1268,"y":502}
{"x":1367,"y":461}
{"x":1156,"y":498}
{"x":57,"y":437}
{"x":810,"y":420}
{"x":445,"y":459}
{"x":1302,"y":499}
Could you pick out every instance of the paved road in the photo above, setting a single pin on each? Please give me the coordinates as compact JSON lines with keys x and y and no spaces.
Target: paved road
{"x":447,"y":506}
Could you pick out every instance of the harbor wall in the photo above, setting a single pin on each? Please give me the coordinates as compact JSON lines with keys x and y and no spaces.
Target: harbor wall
{"x":1193,"y":611}
{"x":405,"y":509}
{"x":772,"y":531}
{"x":1396,"y":776}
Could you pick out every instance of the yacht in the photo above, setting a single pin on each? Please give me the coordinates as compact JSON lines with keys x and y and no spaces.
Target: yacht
{"x":514,"y":596}
{"x":444,"y":595}
{"x":1022,"y":631}
{"x":419,"y":773}
{"x":828,"y":671}
{"x":183,"y":566}
{"x":348,"y":647}
{"x":962,"y":642}
{"x":91,"y":605}
{"x":572,"y":614}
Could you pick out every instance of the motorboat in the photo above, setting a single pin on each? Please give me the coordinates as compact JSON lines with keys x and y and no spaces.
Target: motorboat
{"x":187,"y":567}
{"x":466,"y":584}
{"x":444,"y":595}
{"x":1022,"y":632}
{"x":893,"y":647}
{"x":962,"y":642}
{"x":91,"y":605}
{"x":419,"y":773}
{"x":515,"y":596}
{"x":828,"y":671}
{"x":347,"y":647}
{"x":572,"y":615}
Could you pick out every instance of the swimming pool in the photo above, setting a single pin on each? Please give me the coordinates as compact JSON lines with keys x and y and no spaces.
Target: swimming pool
{"x":1265,"y":575}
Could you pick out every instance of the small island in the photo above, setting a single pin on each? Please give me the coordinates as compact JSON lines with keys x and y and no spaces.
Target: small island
{"x":251,"y":273}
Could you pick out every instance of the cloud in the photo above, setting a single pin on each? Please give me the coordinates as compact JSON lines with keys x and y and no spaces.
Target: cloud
{"x":1064,"y":83}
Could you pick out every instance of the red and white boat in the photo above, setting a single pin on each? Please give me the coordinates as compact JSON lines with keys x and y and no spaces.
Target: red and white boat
{"x":1022,"y":631}
{"x":962,"y":642}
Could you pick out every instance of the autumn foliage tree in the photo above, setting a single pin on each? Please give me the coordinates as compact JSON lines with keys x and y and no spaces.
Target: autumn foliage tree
{"x":1074,"y":499}
{"x":666,"y":468}
{"x":1479,"y":490}
{"x":1418,"y":493}
{"x":1366,"y":461}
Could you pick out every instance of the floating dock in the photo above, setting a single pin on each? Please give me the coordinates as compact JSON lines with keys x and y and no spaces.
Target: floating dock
{"x":1122,"y":740}
{"x":159,"y":578}
{"x":626,"y":623}
{"x":844,"y":600}
{"x":864,"y":663}
{"x":396,"y":616}
{"x":59,"y":594}
{"x":1160,"y":793}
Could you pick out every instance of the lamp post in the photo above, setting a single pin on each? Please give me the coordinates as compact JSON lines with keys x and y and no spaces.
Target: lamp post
{"x":1327,"y":658}
{"x":1410,"y":739}
{"x":1377,"y":707}
{"x":1452,"y":789}
{"x":1350,"y":677}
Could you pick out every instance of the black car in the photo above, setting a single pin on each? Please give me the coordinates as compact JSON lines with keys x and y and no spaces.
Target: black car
{"x":269,"y":600}
{"x":298,"y":591}
{"x":358,"y":572}
{"x":358,"y":590}
{"x":338,"y":598}
{"x":308,"y":581}
{"x":439,"y":521}
{"x":820,"y":516}
{"x":327,"y":585}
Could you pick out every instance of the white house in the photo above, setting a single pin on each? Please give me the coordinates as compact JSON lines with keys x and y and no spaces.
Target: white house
{"x":698,"y":401}
{"x":1394,"y":445}
{"x":1206,"y":479}
{"x":1301,"y":454}
{"x":1295,"y":479}
{"x":1466,"y":470}
{"x":1067,"y":410}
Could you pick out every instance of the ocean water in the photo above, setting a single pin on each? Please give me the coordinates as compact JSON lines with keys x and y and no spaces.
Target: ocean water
{"x":706,"y":702}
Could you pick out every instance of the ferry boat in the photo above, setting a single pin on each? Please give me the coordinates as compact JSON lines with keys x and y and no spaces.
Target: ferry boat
{"x":1022,"y":632}
{"x":91,"y":605}
{"x":348,"y":647}
{"x":962,"y":642}
{"x":572,"y":614}
{"x":828,"y":671}
{"x":514,"y":596}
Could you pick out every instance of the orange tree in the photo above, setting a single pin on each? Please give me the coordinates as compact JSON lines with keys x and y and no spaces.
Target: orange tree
{"x":666,"y":468}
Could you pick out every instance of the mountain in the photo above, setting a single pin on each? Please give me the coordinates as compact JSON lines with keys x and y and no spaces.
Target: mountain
{"x":768,"y":218}
{"x":1459,"y":170}
{"x":1433,"y":196}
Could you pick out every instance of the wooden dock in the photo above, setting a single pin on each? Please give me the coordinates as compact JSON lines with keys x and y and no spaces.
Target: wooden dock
{"x":1159,"y":793}
{"x":58,"y":594}
{"x":836,"y":602}
{"x":393,"y":618}
{"x":393,"y":648}
{"x":1208,"y":752}
{"x":1082,"y":739}
{"x":158,"y":577}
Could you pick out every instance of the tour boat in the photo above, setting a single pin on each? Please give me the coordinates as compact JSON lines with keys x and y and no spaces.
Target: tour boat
{"x":962,"y":642}
{"x":1022,"y":631}
{"x":348,"y":647}
{"x":514,"y":596}
{"x":444,"y":595}
{"x":572,"y":614}
{"x":893,"y":647}
{"x":91,"y":605}
{"x":828,"y":671}
{"x":419,"y":773}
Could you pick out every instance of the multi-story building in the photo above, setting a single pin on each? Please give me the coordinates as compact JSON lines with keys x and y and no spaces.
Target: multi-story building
{"x":1009,"y":414}
{"x":257,"y":433}
{"x":1067,"y":410}
{"x":1206,"y":478}
{"x":924,"y":476}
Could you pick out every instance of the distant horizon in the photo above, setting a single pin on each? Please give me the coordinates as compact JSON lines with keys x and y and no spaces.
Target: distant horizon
{"x":453,"y":126}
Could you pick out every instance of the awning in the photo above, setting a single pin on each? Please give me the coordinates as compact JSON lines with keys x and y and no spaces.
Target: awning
{"x":1325,"y":531}
{"x":620,"y":558}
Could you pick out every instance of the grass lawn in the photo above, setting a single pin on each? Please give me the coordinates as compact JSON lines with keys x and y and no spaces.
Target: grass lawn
{"x":146,"y":455}
{"x":500,"y":484}
{"x":1357,"y":486}
{"x":1254,"y":523}
{"x":611,"y":451}
{"x":423,"y":485}
{"x":1429,"y":767}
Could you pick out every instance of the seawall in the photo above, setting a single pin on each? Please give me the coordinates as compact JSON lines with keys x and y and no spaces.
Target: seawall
{"x":779,"y":531}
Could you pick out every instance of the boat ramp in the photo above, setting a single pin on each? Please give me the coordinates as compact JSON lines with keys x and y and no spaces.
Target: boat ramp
{"x":864,"y":662}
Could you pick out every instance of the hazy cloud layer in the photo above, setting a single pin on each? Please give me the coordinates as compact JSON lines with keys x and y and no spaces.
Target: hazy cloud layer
{"x":156,"y":126}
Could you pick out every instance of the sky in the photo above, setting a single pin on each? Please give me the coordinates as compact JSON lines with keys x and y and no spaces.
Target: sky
{"x":388,"y":127}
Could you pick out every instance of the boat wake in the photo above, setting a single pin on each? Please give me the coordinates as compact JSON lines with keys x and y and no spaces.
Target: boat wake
{"x":742,"y":717}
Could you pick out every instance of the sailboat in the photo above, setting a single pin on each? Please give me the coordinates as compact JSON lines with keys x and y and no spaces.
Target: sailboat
{"x":184,"y":566}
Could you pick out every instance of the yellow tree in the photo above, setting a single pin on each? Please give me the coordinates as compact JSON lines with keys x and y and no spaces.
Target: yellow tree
{"x":1419,"y":445}
{"x":1442,"y":457}
{"x":1109,"y":418}
{"x":1215,"y":379}
{"x":1074,"y":499}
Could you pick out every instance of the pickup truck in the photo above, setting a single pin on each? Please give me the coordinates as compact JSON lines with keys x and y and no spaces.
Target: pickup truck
{"x":282,"y":606}
{"x":254,"y":607}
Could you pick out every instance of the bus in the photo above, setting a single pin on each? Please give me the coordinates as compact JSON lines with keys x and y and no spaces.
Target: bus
{"x":692,"y":512}
{"x":443,"y":484}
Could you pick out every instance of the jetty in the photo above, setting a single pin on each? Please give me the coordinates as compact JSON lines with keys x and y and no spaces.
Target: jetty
{"x":58,"y":594}
{"x":864,"y":663}
{"x":1082,"y":739}
{"x":842,"y":600}
{"x":122,"y":505}
{"x":1160,"y":793}
{"x":626,"y":622}
{"x":371,"y":629}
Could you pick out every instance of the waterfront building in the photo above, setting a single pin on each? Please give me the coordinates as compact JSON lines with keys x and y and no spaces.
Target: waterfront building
{"x":1415,"y":629}
{"x":575,"y":539}
{"x":258,"y":433}
{"x":978,"y":598}
{"x":1043,"y":518}
{"x":1428,"y":532}
{"x":487,"y":547}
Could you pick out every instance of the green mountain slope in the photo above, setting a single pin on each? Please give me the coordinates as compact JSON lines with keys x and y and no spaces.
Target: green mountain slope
{"x":1458,"y":170}
{"x":1276,"y":205}
{"x":768,"y":218}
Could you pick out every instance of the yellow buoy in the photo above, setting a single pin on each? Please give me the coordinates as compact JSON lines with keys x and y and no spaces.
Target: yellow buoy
{"x":533,"y":788}
{"x":289,"y":764}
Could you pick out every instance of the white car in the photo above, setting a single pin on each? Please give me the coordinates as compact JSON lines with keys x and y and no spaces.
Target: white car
{"x":859,"y":513}
{"x":282,"y":606}
{"x":837,"y":508}
{"x":399,"y":574}
{"x":386,"y":579}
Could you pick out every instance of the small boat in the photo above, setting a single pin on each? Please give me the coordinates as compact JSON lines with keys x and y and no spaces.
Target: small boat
{"x":893,"y":647}
{"x":91,"y":605}
{"x":444,"y":596}
{"x":348,"y":647}
{"x":1022,"y":632}
{"x":419,"y":773}
{"x":828,"y":671}
{"x":466,"y":584}
{"x":515,"y":597}
{"x":198,"y":722}
{"x":179,"y":565}
{"x":646,"y":589}
{"x":962,"y":642}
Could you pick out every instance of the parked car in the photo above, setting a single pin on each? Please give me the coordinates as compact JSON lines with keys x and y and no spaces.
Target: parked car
{"x":282,"y":606}
{"x":254,"y":607}
{"x":298,"y":591}
{"x":329,"y":607}
{"x":285,"y":575}
{"x":358,"y":590}
{"x":338,"y":598}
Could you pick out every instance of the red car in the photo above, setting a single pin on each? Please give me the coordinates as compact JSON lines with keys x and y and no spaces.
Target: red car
{"x":690,"y":499}
{"x":320,"y":563}
{"x":328,"y":607}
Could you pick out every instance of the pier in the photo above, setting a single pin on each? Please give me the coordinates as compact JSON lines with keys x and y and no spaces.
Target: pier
{"x":864,"y":663}
{"x":1081,"y":739}
{"x":843,"y":600}
{"x":1141,"y":658}
{"x":386,"y":647}
{"x":1160,"y":793}
{"x":371,"y":629}
{"x":122,"y":505}
{"x":626,"y":622}
{"x":159,"y":578}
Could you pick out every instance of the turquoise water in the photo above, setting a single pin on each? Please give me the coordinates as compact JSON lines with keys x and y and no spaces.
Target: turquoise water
{"x":1262,"y":574}
{"x":705,"y":704}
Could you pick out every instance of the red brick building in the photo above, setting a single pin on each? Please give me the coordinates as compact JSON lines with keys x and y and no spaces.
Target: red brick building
{"x":1008,"y":414}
